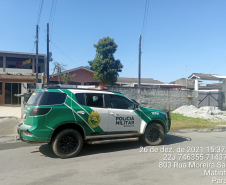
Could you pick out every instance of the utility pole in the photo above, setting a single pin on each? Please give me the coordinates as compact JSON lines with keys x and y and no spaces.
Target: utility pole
{"x":36,"y":54}
{"x":139,"y":64}
{"x":186,"y":79}
{"x":47,"y":71}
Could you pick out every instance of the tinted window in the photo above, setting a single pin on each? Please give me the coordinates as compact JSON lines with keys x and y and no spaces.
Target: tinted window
{"x":119,"y":102}
{"x":94,"y":100}
{"x":46,"y":98}
{"x":37,"y":98}
{"x":80,"y":97}
{"x":56,"y":98}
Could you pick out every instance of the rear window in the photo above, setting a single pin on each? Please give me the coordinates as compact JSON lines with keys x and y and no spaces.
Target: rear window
{"x":46,"y":98}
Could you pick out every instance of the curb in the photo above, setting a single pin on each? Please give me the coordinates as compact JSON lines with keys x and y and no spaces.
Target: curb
{"x":218,"y":128}
{"x":12,"y":137}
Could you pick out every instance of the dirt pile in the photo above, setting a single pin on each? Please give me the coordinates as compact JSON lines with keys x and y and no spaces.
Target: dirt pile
{"x":210,"y":113}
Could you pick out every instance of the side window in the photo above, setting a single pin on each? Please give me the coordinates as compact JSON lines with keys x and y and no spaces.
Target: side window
{"x":119,"y":102}
{"x":56,"y":98}
{"x":80,"y":97}
{"x":94,"y":100}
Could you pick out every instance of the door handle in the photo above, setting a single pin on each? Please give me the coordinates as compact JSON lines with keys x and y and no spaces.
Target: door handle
{"x":81,"y":112}
{"x":112,"y":113}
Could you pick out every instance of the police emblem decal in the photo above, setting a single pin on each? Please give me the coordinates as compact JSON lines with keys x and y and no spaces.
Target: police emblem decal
{"x":94,"y":119}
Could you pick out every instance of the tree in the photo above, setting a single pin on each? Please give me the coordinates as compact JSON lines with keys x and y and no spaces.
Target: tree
{"x":105,"y":67}
{"x":63,"y":78}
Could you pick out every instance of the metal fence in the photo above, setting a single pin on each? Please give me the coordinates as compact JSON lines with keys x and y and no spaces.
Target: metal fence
{"x":211,"y":98}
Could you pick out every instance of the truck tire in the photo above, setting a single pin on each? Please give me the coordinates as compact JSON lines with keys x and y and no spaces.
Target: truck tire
{"x":67,"y":143}
{"x":154,"y":134}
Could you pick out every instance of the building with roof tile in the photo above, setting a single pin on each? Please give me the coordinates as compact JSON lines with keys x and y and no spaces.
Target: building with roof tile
{"x":17,"y":68}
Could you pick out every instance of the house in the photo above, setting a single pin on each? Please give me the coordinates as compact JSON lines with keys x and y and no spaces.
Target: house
{"x":185,"y":83}
{"x":190,"y":83}
{"x":133,"y":82}
{"x":196,"y":77}
{"x":17,"y":68}
{"x":83,"y":76}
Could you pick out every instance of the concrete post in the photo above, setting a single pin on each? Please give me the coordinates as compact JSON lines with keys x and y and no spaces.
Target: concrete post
{"x":23,"y":90}
{"x":33,"y":65}
{"x":196,"y":84}
{"x":4,"y":63}
{"x":224,"y":93}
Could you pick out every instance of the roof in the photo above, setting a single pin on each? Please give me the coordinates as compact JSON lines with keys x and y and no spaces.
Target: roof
{"x":210,"y":86}
{"x":203,"y":76}
{"x":74,"y":69}
{"x":123,"y":80}
{"x":19,"y":73}
{"x":184,"y":82}
{"x":20,"y":53}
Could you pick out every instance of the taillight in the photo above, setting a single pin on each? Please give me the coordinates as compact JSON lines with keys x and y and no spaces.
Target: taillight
{"x":39,"y":111}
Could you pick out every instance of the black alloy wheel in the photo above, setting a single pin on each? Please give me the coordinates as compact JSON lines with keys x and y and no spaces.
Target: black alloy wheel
{"x":154,"y":134}
{"x":67,"y":143}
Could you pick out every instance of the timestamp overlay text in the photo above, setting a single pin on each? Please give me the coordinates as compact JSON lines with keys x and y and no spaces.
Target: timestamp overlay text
{"x":211,"y":159}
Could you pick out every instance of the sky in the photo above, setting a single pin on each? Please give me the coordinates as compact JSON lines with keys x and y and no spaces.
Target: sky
{"x":175,"y":33}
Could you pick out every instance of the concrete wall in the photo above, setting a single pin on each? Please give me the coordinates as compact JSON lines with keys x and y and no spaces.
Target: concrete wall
{"x":163,"y":99}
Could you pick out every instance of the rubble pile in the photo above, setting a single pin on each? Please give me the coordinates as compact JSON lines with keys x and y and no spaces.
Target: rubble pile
{"x":213,"y":114}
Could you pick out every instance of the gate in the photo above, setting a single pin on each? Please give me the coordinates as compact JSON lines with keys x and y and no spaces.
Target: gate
{"x":210,"y":98}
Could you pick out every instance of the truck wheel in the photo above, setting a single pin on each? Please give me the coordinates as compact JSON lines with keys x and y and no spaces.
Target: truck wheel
{"x":67,"y":143}
{"x":154,"y":134}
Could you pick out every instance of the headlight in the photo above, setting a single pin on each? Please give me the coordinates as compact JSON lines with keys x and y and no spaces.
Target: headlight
{"x":163,"y":113}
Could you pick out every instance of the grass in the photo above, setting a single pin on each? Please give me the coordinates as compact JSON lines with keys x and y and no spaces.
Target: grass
{"x":181,"y":122}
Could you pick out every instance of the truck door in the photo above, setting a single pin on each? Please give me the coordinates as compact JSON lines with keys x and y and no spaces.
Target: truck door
{"x":122,"y":117}
{"x":93,"y":111}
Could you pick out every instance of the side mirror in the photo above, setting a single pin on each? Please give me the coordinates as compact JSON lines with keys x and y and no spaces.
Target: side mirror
{"x":135,"y":106}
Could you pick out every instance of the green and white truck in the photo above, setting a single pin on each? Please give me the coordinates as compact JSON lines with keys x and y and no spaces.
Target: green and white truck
{"x":66,"y":118}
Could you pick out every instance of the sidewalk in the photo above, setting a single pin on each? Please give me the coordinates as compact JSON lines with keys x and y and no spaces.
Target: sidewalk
{"x":9,"y":126}
{"x":9,"y":119}
{"x":10,"y":111}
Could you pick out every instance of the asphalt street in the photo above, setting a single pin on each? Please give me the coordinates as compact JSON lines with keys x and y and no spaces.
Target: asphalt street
{"x":118,"y":163}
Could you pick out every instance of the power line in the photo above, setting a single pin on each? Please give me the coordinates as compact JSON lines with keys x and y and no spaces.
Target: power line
{"x":63,"y":53}
{"x":53,"y":18}
{"x":145,"y":23}
{"x":144,"y":16}
{"x":130,"y":65}
{"x":40,"y":11}
{"x":51,"y":12}
{"x":32,"y":48}
{"x":143,"y":28}
{"x":218,"y":64}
